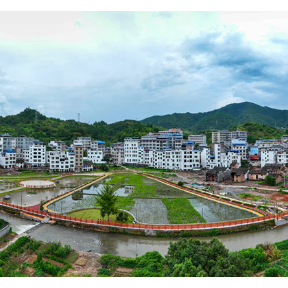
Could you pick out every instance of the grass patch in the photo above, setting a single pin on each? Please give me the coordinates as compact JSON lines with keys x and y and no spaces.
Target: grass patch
{"x":72,"y":257}
{"x":94,"y":214}
{"x":249,"y":196}
{"x":180,"y":211}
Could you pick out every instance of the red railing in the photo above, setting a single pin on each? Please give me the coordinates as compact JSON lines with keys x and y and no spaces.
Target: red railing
{"x":149,"y":226}
{"x":152,"y":226}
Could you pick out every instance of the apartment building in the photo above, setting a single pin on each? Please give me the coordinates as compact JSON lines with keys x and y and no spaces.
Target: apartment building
{"x":98,"y":145}
{"x":96,"y":156}
{"x":205,"y":157}
{"x":161,"y":140}
{"x":8,"y":159}
{"x":117,"y":154}
{"x":8,"y":142}
{"x":225,"y":137}
{"x":37,"y":154}
{"x":231,"y":158}
{"x":84,"y":141}
{"x":57,"y":145}
{"x":282,"y":157}
{"x":197,"y":139}
{"x":78,"y":149}
{"x":268,"y":156}
{"x":61,"y":161}
{"x":241,"y":147}
{"x":131,"y":152}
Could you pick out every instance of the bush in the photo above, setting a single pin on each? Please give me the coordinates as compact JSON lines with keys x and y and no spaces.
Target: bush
{"x":180,"y":183}
{"x":270,"y":180}
{"x":122,"y":217}
{"x":104,"y":272}
{"x":283,"y":245}
{"x":271,"y":272}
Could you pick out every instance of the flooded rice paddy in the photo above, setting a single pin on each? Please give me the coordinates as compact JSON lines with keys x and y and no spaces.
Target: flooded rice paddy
{"x":148,"y":209}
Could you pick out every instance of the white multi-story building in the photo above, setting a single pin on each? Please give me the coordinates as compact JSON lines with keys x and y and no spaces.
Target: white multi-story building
{"x":225,"y":137}
{"x":95,"y":156}
{"x":284,"y":139}
{"x":57,"y":145}
{"x":205,"y":157}
{"x":230,"y":158}
{"x":84,"y":141}
{"x":8,"y":159}
{"x":241,"y":147}
{"x":267,"y":143}
{"x":61,"y":161}
{"x":161,"y":140}
{"x":200,"y":139}
{"x":282,"y":158}
{"x":98,"y":145}
{"x":131,"y":152}
{"x":8,"y":142}
{"x":268,"y":156}
{"x":37,"y":154}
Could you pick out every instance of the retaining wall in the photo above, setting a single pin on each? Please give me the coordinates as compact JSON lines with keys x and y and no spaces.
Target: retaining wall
{"x":5,"y":230}
{"x":151,"y":229}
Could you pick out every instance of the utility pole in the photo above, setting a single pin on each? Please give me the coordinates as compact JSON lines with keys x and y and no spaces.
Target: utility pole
{"x":78,"y":117}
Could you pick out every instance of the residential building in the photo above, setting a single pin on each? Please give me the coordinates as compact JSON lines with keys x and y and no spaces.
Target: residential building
{"x":78,"y":149}
{"x":37,"y":155}
{"x":8,"y":159}
{"x":225,"y":137}
{"x":241,"y":147}
{"x":57,"y":145}
{"x":96,"y":156}
{"x":197,"y":139}
{"x":61,"y":161}
{"x":8,"y":142}
{"x":230,"y":158}
{"x":268,"y":156}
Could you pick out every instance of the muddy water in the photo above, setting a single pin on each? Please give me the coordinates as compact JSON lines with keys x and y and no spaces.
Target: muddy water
{"x":31,"y":197}
{"x":129,"y":246}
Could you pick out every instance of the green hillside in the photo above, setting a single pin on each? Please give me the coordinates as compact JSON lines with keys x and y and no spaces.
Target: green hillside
{"x":48,"y":129}
{"x":223,"y":118}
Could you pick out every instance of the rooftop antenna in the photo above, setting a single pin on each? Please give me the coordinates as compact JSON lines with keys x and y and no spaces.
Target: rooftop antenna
{"x":78,"y":117}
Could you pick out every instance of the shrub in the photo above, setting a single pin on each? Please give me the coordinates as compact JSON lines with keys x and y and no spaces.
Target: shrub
{"x":104,"y":272}
{"x":271,"y":272}
{"x":283,"y":245}
{"x":180,"y":183}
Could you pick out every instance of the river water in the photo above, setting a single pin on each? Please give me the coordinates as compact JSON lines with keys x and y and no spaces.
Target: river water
{"x":130,"y":246}
{"x":124,"y":245}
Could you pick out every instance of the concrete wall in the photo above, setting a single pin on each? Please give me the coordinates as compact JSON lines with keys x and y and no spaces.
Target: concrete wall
{"x":5,"y":229}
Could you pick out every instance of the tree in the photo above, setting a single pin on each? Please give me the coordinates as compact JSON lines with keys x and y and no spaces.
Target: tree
{"x":201,"y":259}
{"x":107,"y":200}
{"x":270,"y":180}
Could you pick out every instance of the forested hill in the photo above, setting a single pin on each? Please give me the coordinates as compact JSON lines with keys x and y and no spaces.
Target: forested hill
{"x":224,"y":118}
{"x":47,"y":128}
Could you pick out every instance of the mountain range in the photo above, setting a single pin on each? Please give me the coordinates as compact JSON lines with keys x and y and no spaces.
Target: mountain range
{"x":258,"y":121}
{"x":223,"y":118}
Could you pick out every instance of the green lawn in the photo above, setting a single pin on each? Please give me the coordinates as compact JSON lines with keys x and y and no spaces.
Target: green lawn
{"x":94,"y":214}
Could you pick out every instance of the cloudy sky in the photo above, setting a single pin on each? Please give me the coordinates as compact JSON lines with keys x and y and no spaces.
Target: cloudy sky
{"x":117,"y":65}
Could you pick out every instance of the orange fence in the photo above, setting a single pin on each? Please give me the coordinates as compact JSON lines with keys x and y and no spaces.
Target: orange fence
{"x":173,"y":227}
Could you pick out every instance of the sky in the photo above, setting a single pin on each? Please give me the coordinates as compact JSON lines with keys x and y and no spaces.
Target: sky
{"x":119,"y":65}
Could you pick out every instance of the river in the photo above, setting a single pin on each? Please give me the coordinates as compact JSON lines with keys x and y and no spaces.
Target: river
{"x":130,"y":246}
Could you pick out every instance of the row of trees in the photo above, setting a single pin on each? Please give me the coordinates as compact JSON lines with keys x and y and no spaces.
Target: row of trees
{"x":47,"y":129}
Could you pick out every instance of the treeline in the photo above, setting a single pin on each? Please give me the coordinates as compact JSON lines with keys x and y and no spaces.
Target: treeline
{"x":46,"y":129}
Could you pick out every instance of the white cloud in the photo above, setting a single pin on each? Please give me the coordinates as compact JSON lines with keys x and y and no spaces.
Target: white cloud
{"x":98,"y":63}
